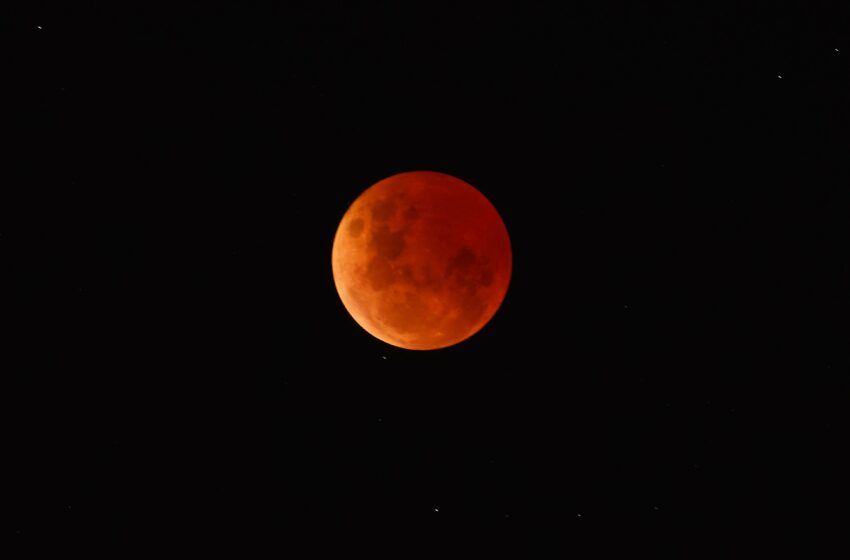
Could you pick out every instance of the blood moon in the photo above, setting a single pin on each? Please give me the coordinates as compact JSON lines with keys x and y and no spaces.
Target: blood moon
{"x":422,"y":260}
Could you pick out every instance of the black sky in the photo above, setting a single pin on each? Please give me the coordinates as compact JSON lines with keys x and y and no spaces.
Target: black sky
{"x":669,"y":369}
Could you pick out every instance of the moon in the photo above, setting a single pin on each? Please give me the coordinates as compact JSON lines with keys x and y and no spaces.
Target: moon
{"x":422,"y":260}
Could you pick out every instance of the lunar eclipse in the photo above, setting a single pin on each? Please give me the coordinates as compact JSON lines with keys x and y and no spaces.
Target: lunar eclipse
{"x":422,"y":260}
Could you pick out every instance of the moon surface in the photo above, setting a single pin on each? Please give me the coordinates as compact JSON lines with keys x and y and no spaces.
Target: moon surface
{"x":422,"y":260}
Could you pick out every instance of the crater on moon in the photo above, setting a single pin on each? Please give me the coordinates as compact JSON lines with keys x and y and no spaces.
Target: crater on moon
{"x":355,"y":228}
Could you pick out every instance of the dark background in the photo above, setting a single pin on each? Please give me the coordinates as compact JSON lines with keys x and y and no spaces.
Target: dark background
{"x":667,"y":377}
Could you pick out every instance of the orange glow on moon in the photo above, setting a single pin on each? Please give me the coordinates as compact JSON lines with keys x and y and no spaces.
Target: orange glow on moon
{"x":422,"y":260}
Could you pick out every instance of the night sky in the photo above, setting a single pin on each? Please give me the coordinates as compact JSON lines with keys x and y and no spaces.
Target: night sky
{"x":667,"y":374}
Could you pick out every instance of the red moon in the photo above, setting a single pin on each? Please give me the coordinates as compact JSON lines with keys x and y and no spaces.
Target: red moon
{"x":422,"y":260}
